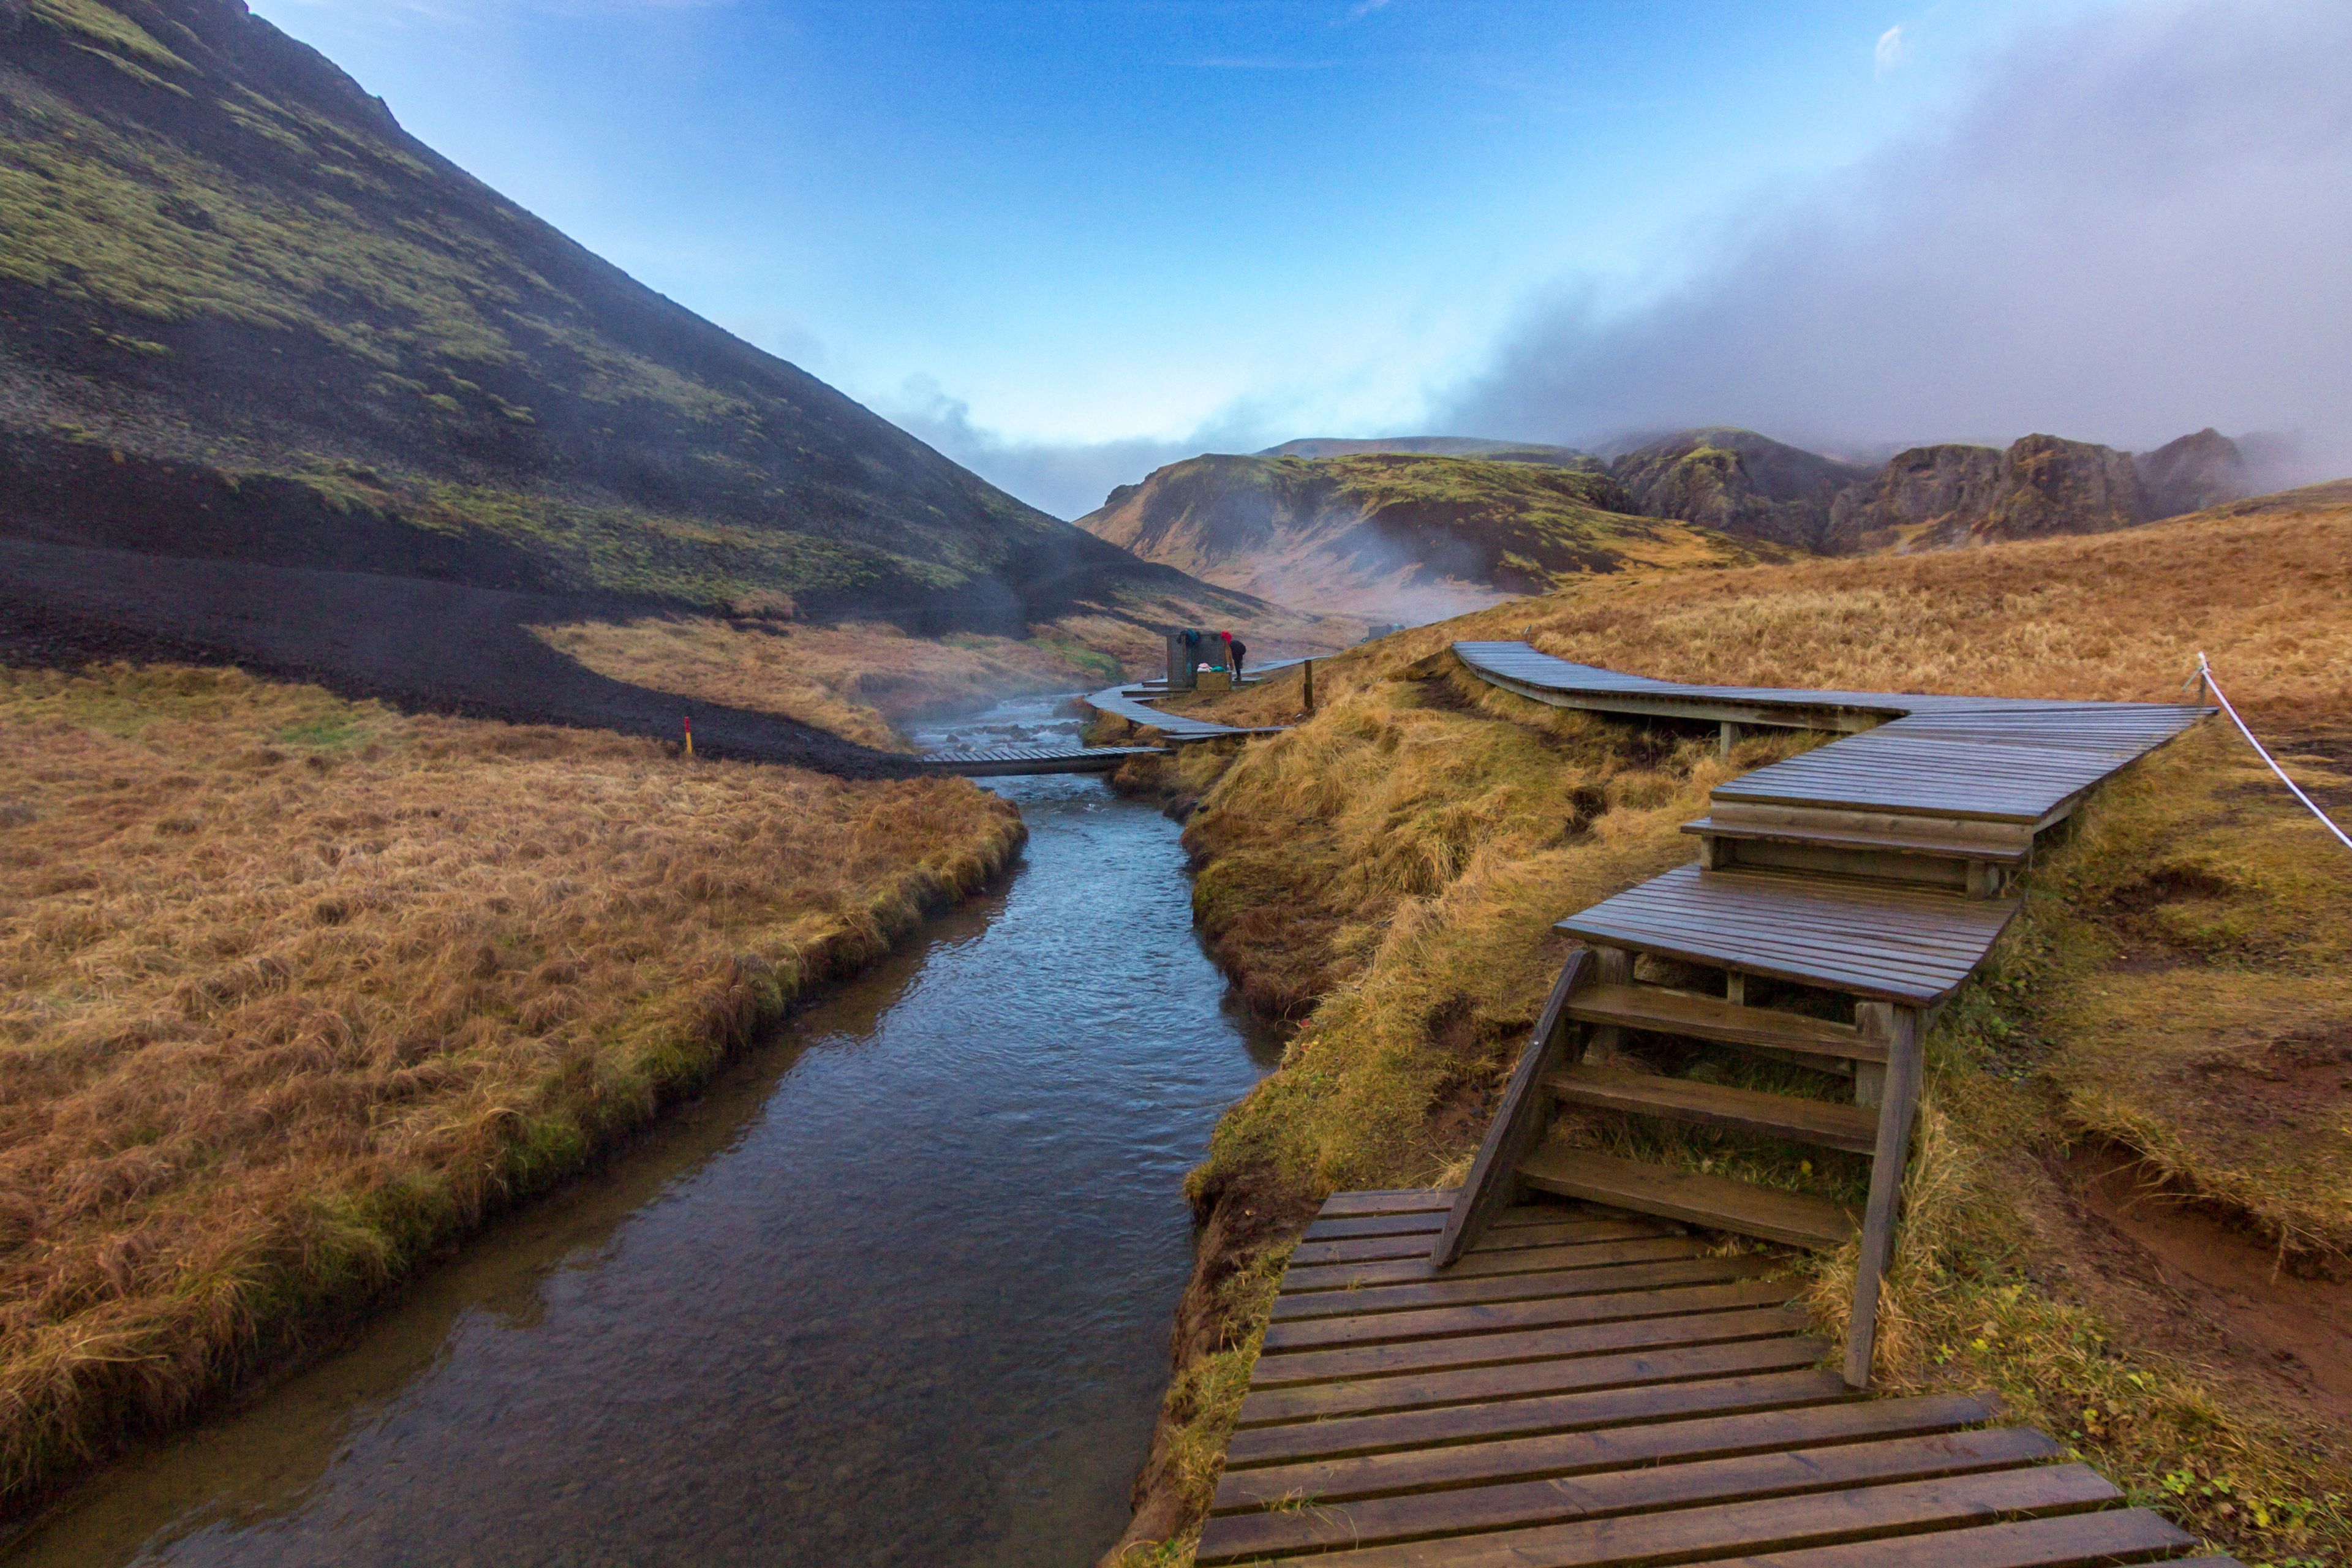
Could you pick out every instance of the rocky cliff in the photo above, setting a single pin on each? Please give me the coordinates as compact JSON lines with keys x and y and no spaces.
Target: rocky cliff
{"x":1935,"y":497}
{"x":2193,"y":473}
{"x":1738,"y":482}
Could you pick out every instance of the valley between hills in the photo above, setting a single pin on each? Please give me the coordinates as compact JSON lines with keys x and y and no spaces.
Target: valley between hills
{"x":389,"y":985}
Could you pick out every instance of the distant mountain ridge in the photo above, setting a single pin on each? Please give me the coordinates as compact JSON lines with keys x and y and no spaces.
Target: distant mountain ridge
{"x":244,"y":315}
{"x":1397,"y":534}
{"x":1397,"y":527}
{"x":1313,"y":446}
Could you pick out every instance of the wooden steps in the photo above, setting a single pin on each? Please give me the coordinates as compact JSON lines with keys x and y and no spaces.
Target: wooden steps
{"x":1654,"y":1009}
{"x":1845,"y":830}
{"x":1672,"y":1428}
{"x":1466,"y":1383}
{"x":1909,"y":946}
{"x":1813,"y":1121}
{"x":1798,"y":1219}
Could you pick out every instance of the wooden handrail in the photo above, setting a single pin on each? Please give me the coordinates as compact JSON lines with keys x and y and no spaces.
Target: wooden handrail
{"x":1899,"y":1105}
{"x":1518,"y":1122}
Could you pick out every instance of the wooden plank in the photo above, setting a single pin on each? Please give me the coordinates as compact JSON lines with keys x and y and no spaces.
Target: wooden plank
{"x":1532,"y":1345}
{"x":1660,"y":1011}
{"x":1528,"y":1418}
{"x":1770,"y":1524}
{"x":1607,"y":1448}
{"x":1549,"y":1285}
{"x":1895,"y":1110}
{"x":1492,"y":1317}
{"x":1799,"y":1219}
{"x":1505,"y":1238}
{"x":1519,"y":1122}
{"x":1880,"y":939}
{"x":1315,"y":1526}
{"x":1480,"y":1265}
{"x":1369,"y":1247}
{"x":1343,"y":1227}
{"x":1360,"y":1249}
{"x":1401,"y":1200}
{"x":1845,"y":830}
{"x":1784,"y":1116}
{"x":2063,"y":1540}
{"x":1519,"y":1380}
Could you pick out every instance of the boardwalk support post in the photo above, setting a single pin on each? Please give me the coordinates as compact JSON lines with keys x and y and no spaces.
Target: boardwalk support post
{"x":1899,"y":1105}
{"x":1518,"y":1125}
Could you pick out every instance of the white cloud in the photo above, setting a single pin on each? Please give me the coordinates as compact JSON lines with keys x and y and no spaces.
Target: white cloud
{"x":1892,"y":50}
{"x":1067,"y":477}
{"x":2135,"y":226}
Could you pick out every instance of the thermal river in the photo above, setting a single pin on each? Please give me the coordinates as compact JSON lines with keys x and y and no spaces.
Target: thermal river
{"x":897,"y":1289}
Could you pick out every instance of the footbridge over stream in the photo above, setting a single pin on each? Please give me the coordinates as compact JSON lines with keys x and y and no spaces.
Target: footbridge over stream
{"x":1557,"y":1365}
{"x":1132,"y":702}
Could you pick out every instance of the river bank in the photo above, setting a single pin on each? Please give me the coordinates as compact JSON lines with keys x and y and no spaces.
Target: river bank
{"x":297,"y":991}
{"x":893,"y":1287}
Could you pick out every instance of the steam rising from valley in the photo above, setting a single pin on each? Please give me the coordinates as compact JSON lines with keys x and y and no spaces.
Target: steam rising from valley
{"x":2132,"y":227}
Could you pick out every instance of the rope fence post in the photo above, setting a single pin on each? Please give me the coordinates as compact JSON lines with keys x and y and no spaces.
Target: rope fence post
{"x":2205,"y":679}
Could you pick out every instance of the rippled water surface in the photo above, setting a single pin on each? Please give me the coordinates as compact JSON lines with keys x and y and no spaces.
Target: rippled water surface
{"x":897,"y":1290}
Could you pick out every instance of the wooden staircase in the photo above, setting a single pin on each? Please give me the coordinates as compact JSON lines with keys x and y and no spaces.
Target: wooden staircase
{"x":1582,"y":1058}
{"x":1546,"y":1369}
{"x":1864,"y":881}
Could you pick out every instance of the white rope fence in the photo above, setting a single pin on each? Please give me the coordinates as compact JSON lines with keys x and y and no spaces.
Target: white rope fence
{"x":2205,"y":674}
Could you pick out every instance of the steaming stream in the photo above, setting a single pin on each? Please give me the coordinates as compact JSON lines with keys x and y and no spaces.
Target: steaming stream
{"x":895,"y":1290}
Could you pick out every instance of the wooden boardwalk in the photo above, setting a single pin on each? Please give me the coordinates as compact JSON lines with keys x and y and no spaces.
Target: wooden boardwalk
{"x":1133,"y":703}
{"x":1841,"y":896}
{"x":1002,"y":761}
{"x":1557,"y":1365}
{"x":1589,"y":1386}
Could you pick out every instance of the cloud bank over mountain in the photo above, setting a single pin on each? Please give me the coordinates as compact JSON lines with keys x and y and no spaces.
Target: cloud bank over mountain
{"x":2137,"y":225}
{"x":2130,"y":227}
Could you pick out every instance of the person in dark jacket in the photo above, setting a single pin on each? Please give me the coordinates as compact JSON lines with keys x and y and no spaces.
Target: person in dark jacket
{"x":1235,"y":651}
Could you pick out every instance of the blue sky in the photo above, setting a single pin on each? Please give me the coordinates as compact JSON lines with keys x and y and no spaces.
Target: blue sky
{"x":1025,"y":227}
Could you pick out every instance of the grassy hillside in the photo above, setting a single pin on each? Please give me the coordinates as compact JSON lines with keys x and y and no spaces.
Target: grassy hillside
{"x":243,"y":314}
{"x":1437,"y":446}
{"x":2131,"y":1210}
{"x":1396,"y":536}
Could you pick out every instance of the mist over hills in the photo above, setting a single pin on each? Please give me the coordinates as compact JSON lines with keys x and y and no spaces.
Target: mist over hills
{"x":1438,"y":446}
{"x":1409,"y":528}
{"x":244,"y":316}
{"x":1396,"y":533}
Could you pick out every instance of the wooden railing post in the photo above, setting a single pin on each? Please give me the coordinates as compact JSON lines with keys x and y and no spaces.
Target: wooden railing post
{"x":1899,"y":1105}
{"x":1493,"y":1182}
{"x":1605,"y":1044}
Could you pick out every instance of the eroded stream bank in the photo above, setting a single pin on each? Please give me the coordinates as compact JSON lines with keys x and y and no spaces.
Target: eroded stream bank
{"x":895,"y":1290}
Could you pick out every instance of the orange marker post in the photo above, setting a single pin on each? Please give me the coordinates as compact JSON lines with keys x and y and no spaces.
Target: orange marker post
{"x":689,"y":734}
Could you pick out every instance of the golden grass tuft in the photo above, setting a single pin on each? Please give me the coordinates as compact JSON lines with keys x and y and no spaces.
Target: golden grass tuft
{"x":1389,"y":871}
{"x":292,"y":990}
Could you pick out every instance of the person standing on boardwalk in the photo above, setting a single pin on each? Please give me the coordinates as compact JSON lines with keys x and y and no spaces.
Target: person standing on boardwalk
{"x":1235,"y":651}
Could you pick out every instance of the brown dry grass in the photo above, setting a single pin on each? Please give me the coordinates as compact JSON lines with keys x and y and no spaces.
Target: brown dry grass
{"x":856,"y":681}
{"x":295,"y":989}
{"x":2181,"y":950}
{"x":862,"y":680}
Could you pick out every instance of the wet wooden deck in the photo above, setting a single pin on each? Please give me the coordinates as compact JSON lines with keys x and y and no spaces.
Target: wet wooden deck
{"x":1133,"y":703}
{"x":1004,"y":762}
{"x":1587,"y":1387}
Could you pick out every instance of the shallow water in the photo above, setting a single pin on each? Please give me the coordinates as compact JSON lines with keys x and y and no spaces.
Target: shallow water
{"x":895,"y":1290}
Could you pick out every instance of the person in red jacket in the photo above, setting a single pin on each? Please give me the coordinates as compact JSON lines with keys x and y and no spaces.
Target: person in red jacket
{"x":1235,"y":651}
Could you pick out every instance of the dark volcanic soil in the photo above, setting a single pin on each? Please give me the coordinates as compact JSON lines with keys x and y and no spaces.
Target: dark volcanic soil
{"x":440,"y":648}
